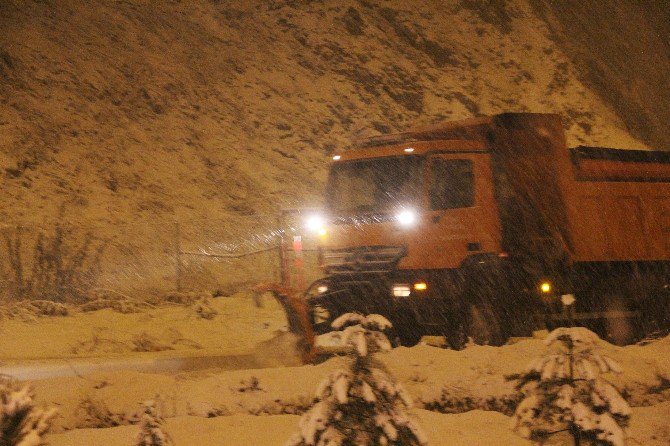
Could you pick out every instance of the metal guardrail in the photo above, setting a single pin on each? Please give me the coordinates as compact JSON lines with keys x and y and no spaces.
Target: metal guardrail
{"x":282,"y":247}
{"x":229,"y":256}
{"x":139,"y":255}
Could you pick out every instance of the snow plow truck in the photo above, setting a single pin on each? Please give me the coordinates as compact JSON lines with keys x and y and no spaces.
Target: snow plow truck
{"x":490,"y":228}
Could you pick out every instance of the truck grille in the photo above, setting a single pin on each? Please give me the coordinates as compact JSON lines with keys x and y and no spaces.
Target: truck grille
{"x":363,"y":219}
{"x":369,"y":259}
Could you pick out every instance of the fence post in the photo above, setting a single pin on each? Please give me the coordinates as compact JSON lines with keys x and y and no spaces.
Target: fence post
{"x":298,"y":263}
{"x":283,"y":257}
{"x":177,"y":253}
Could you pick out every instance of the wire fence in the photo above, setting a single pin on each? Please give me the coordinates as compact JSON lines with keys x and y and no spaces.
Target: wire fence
{"x":63,"y":261}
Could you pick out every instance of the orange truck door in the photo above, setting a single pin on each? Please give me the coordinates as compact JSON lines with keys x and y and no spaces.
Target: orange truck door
{"x":462,"y":213}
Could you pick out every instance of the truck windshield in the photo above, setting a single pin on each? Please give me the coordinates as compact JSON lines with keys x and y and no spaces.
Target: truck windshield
{"x":375,"y":185}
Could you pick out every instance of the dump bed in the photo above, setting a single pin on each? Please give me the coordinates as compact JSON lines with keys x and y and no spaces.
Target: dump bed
{"x":574,"y":205}
{"x":585,"y":204}
{"x":618,"y":204}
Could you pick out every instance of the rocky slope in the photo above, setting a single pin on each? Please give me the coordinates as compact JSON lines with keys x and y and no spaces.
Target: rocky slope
{"x":130,"y":108}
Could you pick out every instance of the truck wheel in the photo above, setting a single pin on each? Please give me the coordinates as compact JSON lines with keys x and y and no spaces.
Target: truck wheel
{"x":622,"y":330}
{"x":407,"y":331}
{"x":456,"y":338}
{"x":484,"y":327}
{"x":321,"y":315}
{"x":408,"y":339}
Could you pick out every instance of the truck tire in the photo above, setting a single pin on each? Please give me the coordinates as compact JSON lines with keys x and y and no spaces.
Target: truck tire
{"x":484,"y":326}
{"x":456,"y":337}
{"x":622,"y":330}
{"x":486,"y":300}
{"x":321,"y":315}
{"x":407,"y":331}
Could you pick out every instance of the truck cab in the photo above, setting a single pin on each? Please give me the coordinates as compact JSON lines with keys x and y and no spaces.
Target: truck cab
{"x":431,"y":201}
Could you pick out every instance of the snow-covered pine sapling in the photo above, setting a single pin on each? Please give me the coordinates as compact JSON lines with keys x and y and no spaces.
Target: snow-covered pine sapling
{"x":565,"y":392}
{"x":151,"y":427}
{"x":21,"y":423}
{"x":360,"y":405}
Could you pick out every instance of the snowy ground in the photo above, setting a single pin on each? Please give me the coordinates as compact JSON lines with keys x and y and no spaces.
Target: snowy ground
{"x":460,"y":397}
{"x":230,"y":407}
{"x":238,"y":328}
{"x":649,"y":427}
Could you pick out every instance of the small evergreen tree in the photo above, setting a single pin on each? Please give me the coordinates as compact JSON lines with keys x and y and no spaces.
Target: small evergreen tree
{"x":360,"y":405}
{"x":564,"y":391}
{"x":151,"y":427}
{"x":21,"y":423}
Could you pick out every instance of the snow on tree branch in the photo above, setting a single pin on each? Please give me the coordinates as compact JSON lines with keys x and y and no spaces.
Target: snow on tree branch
{"x":366,"y":334}
{"x":21,"y":423}
{"x":151,"y":427}
{"x":360,"y":405}
{"x":565,"y":392}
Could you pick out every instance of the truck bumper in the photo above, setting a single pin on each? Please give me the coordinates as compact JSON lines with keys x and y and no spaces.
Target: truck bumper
{"x":432,"y":309}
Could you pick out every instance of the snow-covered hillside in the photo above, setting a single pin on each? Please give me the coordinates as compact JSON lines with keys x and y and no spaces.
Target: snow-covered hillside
{"x":132,"y":110}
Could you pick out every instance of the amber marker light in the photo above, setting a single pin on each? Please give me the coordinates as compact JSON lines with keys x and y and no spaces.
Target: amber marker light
{"x":421,"y":286}
{"x":408,"y":150}
{"x":545,"y":287}
{"x":337,"y":158}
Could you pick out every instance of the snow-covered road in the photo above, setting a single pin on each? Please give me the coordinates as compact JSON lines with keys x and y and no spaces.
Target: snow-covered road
{"x":138,"y":363}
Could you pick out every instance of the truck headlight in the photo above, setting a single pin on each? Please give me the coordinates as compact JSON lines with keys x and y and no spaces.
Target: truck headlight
{"x":406,"y":217}
{"x":316,"y":224}
{"x":401,"y":290}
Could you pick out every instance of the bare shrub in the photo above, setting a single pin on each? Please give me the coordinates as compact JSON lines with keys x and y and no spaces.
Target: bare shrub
{"x":120,"y":306}
{"x":49,"y":308}
{"x":183,"y":298}
{"x":109,"y":299}
{"x":175,"y":338}
{"x":249,"y":386}
{"x":28,"y":311}
{"x":169,"y":340}
{"x":18,"y":311}
{"x":61,"y":269}
{"x":95,"y":414}
{"x":204,"y":309}
{"x":144,"y":342}
{"x":98,"y":343}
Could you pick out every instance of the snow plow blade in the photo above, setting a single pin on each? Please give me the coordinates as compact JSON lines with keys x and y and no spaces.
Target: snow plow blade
{"x":297,"y":316}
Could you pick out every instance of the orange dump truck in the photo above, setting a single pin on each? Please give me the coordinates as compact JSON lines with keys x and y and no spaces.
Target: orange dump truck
{"x":492,"y":227}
